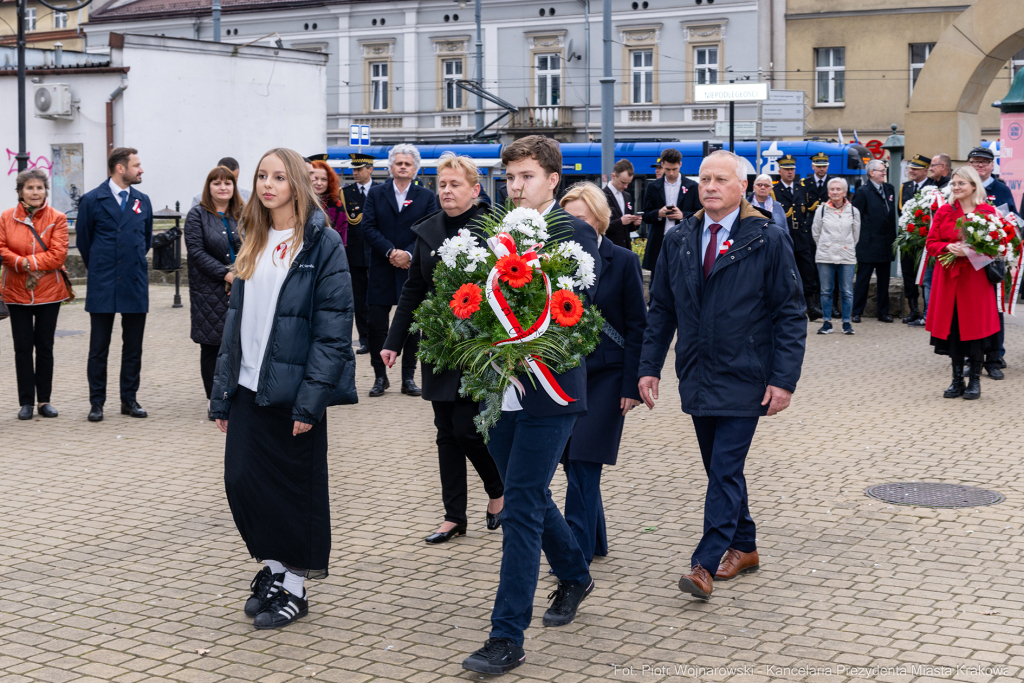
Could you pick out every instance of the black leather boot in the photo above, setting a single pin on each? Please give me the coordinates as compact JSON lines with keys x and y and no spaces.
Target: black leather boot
{"x":915,"y":313}
{"x":973,"y":390}
{"x":956,"y":389}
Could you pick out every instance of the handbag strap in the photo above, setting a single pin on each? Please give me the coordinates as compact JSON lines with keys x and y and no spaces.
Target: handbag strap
{"x":36,"y":235}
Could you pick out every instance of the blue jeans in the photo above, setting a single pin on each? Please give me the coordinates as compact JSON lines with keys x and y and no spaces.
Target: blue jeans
{"x":527,"y":451}
{"x":927,"y":284}
{"x":826,"y":273}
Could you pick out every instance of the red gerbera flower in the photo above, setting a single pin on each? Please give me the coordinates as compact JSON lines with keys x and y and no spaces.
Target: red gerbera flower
{"x":514,"y":270}
{"x":466,"y":301}
{"x":566,"y":308}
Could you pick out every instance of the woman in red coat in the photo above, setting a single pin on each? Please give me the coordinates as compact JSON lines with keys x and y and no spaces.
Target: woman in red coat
{"x":962,"y":314}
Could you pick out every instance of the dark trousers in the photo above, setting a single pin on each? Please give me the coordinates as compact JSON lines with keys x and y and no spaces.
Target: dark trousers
{"x":803,"y":251}
{"x":724,"y":443}
{"x":584,"y":509}
{"x":32,"y":328}
{"x":458,"y":439}
{"x":360,"y":276}
{"x":992,"y":357}
{"x":860,"y":287}
{"x":527,"y":450}
{"x":910,"y":288}
{"x":133,"y":327}
{"x":208,"y":365}
{"x":378,"y":319}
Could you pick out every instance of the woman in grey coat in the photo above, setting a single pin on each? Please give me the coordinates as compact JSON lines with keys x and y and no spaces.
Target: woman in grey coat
{"x":836,"y":230}
{"x":761,"y":197}
{"x":212,"y":240}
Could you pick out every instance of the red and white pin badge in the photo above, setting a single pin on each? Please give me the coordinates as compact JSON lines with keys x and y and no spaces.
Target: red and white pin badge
{"x":407,"y":202}
{"x":137,"y":207}
{"x":725,"y":247}
{"x":280,"y":251}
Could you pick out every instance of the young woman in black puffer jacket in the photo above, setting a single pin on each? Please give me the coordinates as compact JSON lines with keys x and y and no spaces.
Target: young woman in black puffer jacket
{"x":286,"y":355}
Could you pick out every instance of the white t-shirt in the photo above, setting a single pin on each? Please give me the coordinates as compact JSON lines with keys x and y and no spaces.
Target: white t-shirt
{"x":261,"y":292}
{"x":672,"y":199}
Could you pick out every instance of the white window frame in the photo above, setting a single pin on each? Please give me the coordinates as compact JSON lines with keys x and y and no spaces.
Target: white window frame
{"x":379,"y":82}
{"x":915,"y":67}
{"x":30,"y":18}
{"x":546,"y":92}
{"x":454,"y":96}
{"x":60,"y":19}
{"x":642,"y":77}
{"x":832,"y":70}
{"x":708,"y":70}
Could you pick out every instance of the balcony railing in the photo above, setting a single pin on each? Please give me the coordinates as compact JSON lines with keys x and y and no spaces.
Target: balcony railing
{"x":542,"y":117}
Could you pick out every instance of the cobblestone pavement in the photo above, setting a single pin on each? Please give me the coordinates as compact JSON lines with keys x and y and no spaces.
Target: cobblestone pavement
{"x":122,"y":562}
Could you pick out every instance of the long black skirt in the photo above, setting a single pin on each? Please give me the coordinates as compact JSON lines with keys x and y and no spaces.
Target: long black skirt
{"x":277,"y":486}
{"x":971,"y":349}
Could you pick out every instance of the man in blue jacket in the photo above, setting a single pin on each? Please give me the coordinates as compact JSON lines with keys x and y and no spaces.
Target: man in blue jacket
{"x":727,"y":282}
{"x":114,"y":232}
{"x":390,"y":211}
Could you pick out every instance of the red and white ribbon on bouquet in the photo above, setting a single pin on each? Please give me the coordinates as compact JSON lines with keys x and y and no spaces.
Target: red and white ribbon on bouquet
{"x":503,"y":245}
{"x":937,"y":202}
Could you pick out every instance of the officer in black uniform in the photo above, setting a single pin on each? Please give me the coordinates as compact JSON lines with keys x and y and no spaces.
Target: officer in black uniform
{"x":355,"y":197}
{"x":917,"y":171}
{"x":791,"y":196}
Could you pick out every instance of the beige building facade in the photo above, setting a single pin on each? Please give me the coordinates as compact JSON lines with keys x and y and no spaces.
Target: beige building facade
{"x":868,"y":64}
{"x":44,"y":26}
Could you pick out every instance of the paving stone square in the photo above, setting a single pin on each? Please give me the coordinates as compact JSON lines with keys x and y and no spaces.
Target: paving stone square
{"x":122,"y":562}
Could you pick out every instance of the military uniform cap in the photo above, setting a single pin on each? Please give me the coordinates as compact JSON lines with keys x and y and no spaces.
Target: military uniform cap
{"x":361,"y":160}
{"x":787,"y":161}
{"x":983,"y":152}
{"x":919,"y":161}
{"x":819,"y":159}
{"x":317,"y":157}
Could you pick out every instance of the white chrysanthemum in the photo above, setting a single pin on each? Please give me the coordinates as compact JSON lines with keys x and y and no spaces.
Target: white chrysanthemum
{"x":477,"y":255}
{"x":565,"y":282}
{"x":587,"y":280}
{"x":453,"y":246}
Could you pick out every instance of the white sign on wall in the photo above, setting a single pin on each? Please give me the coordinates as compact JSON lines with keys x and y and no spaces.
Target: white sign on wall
{"x":770,"y":111}
{"x":726,"y":92}
{"x":741,"y":129}
{"x":773,"y":129}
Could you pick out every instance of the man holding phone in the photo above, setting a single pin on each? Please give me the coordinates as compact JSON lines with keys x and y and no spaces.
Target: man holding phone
{"x":667,"y":201}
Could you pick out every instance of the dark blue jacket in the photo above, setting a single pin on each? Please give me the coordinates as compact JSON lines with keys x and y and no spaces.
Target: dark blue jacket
{"x":998,"y":194}
{"x":384,"y":229}
{"x":309,"y":363}
{"x":612,"y":369}
{"x":113,"y":244}
{"x":739,"y":331}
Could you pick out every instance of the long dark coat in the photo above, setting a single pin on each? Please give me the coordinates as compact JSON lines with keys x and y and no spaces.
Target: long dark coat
{"x":208,"y":262}
{"x":113,"y":244}
{"x":654,"y":198}
{"x":617,"y":232}
{"x":355,"y":245}
{"x":612,"y":369}
{"x":386,"y":228}
{"x":877,"y":223}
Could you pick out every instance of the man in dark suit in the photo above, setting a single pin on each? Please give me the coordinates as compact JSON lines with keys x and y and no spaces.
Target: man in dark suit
{"x":624,"y":216}
{"x":390,"y":211}
{"x":876,"y":201}
{"x":793,"y":199}
{"x":355,"y":199}
{"x":667,"y":201}
{"x":528,"y":442}
{"x":113,"y":233}
{"x":728,"y":287}
{"x":917,"y":171}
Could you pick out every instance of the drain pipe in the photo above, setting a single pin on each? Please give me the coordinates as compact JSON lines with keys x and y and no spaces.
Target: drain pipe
{"x":110,"y":111}
{"x":216,"y":21}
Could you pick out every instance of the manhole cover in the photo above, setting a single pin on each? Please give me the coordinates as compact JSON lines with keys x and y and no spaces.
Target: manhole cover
{"x":934,"y":495}
{"x":67,"y":333}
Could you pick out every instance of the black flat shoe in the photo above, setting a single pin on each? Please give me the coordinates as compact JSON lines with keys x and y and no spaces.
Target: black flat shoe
{"x":445,"y":536}
{"x":409,"y":387}
{"x":283,"y":609}
{"x":855,"y":319}
{"x":379,"y":385}
{"x":96,"y":414}
{"x":885,"y":318}
{"x":994,"y":372}
{"x":264,"y":587}
{"x":133,"y":409}
{"x":46,"y":410}
{"x":25,"y":413}
{"x":363,"y":349}
{"x":494,"y":521}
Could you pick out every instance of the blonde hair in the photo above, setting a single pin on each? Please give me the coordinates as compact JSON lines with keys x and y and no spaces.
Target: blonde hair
{"x":591,"y":195}
{"x":970,"y":175}
{"x":256,"y":220}
{"x":449,"y":160}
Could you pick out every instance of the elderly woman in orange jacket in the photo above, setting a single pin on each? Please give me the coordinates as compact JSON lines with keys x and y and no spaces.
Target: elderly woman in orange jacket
{"x":33,"y":246}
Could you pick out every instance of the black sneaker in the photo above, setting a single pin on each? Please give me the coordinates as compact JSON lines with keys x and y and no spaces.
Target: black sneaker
{"x":826,"y":328}
{"x":283,"y":609}
{"x":497,"y":656}
{"x":264,"y":586}
{"x":567,"y":598}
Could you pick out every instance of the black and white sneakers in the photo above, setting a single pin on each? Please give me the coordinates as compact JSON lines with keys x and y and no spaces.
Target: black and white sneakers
{"x":264,"y":586}
{"x":283,"y":609}
{"x":497,"y":656}
{"x":566,"y":598}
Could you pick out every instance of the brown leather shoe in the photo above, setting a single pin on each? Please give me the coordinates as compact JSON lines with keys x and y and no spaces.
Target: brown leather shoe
{"x":736,"y":562}
{"x":697,"y":583}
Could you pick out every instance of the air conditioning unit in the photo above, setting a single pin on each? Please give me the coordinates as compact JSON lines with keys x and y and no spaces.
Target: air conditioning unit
{"x":52,"y":101}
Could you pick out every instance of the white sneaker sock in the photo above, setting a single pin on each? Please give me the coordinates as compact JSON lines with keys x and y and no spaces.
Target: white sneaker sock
{"x":293,"y":583}
{"x":275,"y":566}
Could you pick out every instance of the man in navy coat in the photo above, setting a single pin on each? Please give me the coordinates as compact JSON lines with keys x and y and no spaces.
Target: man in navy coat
{"x":114,"y":232}
{"x":727,"y":282}
{"x":390,"y":211}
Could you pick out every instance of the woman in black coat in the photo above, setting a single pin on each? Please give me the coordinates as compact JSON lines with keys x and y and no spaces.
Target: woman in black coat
{"x":457,"y":437}
{"x":612,"y":367}
{"x":212,"y":240}
{"x":286,"y":355}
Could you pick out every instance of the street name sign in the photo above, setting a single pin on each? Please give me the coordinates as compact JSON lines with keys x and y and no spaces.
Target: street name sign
{"x":726,"y":92}
{"x":742,"y":129}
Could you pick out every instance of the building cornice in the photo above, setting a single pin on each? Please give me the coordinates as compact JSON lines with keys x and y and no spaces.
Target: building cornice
{"x":869,"y":12}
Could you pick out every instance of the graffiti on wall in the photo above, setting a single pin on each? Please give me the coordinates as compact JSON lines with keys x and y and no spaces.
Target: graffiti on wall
{"x":39,"y":162}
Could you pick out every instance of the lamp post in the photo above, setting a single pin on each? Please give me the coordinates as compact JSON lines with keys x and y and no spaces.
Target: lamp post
{"x":607,"y":96}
